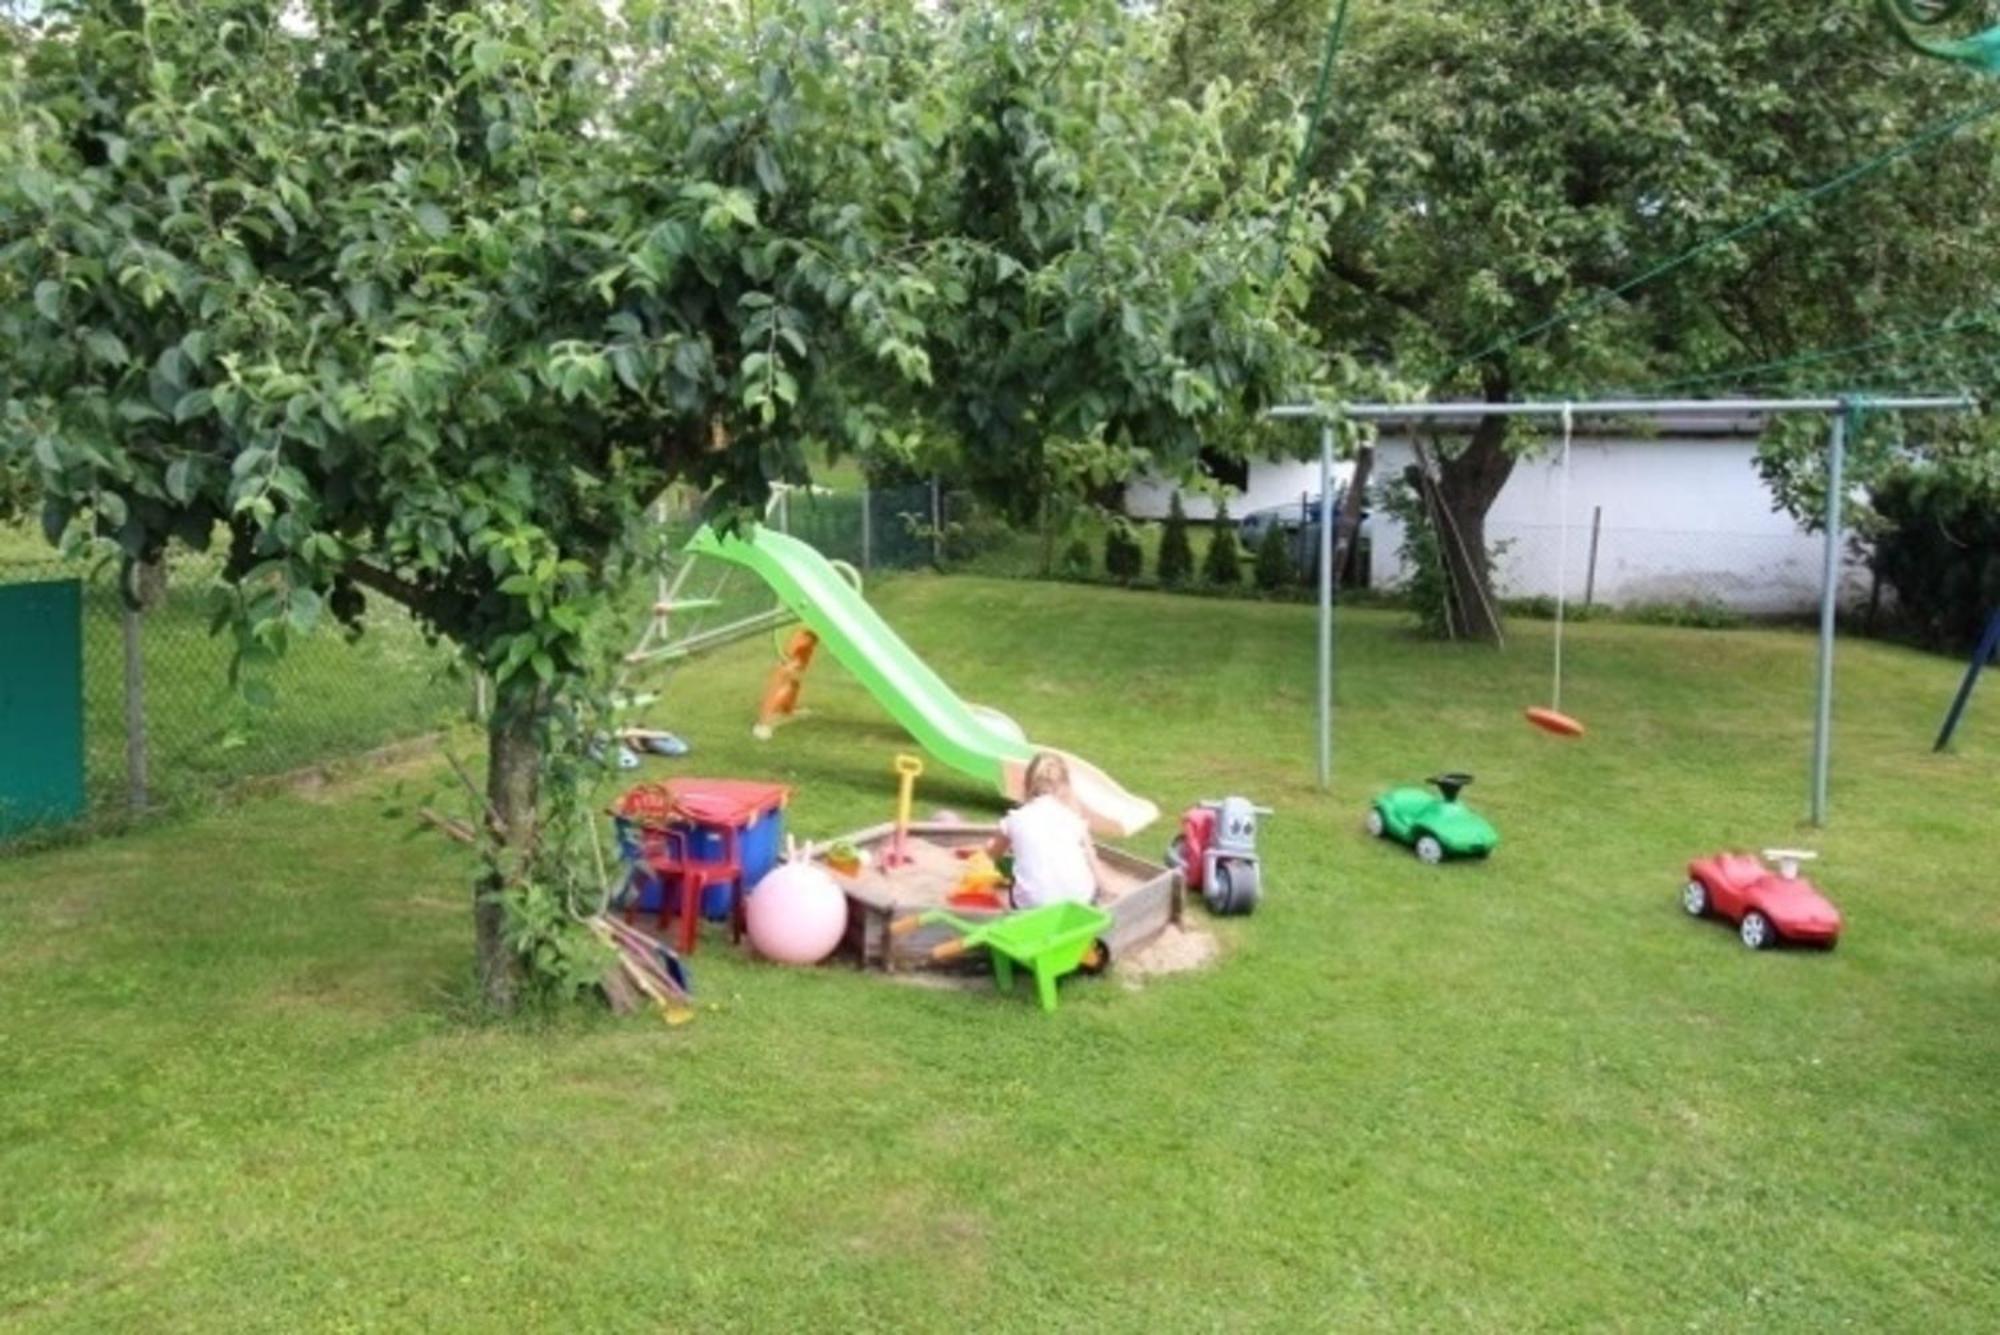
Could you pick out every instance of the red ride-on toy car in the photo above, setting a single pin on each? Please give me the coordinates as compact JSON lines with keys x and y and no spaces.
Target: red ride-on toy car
{"x":1766,"y":906}
{"x":1216,"y":853}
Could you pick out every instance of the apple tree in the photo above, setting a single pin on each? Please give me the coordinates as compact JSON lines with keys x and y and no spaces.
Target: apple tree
{"x":428,"y":302}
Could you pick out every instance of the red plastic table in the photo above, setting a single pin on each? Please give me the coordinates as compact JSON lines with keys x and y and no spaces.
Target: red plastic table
{"x":725,"y":807}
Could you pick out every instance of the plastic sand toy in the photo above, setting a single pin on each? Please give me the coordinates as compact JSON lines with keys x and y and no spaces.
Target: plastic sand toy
{"x":1050,"y":942}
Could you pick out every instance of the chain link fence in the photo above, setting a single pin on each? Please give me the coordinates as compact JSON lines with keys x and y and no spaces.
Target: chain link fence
{"x":1647,"y":572}
{"x":164,"y":726}
{"x":934,"y":526}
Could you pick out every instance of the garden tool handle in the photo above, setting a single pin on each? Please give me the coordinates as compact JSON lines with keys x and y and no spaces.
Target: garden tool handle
{"x":949,"y":950}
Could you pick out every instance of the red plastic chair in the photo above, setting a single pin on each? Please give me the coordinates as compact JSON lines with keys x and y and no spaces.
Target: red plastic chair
{"x":683,"y":875}
{"x":667,"y":817}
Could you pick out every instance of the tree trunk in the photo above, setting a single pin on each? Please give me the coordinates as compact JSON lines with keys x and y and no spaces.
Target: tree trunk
{"x":1468,"y":483}
{"x":1350,"y":510}
{"x":513,"y":782}
{"x":152,"y":584}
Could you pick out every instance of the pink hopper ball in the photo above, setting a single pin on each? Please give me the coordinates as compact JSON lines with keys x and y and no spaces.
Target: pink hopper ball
{"x":796,"y":914}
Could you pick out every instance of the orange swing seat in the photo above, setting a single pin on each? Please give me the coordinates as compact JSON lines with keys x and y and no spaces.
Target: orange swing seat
{"x":1555,"y":721}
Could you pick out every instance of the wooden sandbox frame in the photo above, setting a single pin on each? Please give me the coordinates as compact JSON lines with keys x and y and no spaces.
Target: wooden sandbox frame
{"x":1142,"y":901}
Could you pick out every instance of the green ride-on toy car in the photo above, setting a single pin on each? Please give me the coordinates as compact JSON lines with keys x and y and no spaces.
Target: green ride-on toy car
{"x":1435,"y":828}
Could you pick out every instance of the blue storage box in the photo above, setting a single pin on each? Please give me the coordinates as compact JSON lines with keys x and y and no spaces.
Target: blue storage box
{"x":763,"y":842}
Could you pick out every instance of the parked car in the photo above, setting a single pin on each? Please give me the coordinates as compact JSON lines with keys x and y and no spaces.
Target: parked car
{"x":1291,"y":517}
{"x":1300,"y":523}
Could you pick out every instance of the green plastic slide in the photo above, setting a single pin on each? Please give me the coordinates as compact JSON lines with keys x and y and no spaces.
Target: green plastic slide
{"x":977,"y":742}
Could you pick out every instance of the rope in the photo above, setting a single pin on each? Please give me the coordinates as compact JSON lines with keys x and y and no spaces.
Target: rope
{"x":1968,"y":370}
{"x":1730,"y":377}
{"x":1562,"y":555}
{"x":1334,"y":32}
{"x":1792,"y":204}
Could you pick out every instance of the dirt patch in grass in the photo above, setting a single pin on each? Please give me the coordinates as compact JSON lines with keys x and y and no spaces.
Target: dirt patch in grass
{"x":361,"y":994}
{"x":71,"y":909}
{"x":1179,"y":949}
{"x":338,"y":780}
{"x":909,"y":1223}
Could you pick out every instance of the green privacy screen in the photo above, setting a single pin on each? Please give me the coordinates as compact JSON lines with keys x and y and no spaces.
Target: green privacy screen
{"x":41,"y":704}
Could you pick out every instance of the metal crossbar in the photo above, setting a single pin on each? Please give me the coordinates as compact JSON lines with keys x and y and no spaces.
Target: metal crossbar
{"x":1845,"y":409}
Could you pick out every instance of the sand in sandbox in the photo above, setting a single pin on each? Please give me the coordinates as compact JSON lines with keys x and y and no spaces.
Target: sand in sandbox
{"x":1178,"y":949}
{"x":1175,"y":950}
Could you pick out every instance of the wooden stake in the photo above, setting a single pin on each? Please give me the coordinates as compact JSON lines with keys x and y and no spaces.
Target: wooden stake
{"x":445,"y":825}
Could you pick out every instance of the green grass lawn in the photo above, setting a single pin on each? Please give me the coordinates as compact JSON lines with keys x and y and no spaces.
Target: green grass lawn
{"x":239,"y":1087}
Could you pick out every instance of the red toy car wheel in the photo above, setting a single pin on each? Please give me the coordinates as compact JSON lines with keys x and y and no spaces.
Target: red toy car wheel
{"x":1694,"y":898}
{"x":1756,"y":931}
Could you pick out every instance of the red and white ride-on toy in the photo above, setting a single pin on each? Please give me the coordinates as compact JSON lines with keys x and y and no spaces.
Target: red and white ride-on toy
{"x":1766,"y":906}
{"x":1216,"y":853}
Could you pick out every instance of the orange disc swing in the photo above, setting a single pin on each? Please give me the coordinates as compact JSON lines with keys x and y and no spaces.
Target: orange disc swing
{"x":1550,"y":718}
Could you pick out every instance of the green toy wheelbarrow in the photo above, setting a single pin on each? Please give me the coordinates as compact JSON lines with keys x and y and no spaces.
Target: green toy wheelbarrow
{"x":1049,"y":942}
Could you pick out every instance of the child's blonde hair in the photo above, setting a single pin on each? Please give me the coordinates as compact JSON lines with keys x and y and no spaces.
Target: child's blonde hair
{"x":1048,"y":775}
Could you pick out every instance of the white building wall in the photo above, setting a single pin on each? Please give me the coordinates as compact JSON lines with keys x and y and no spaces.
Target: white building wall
{"x":1685,"y":519}
{"x":1271,"y":482}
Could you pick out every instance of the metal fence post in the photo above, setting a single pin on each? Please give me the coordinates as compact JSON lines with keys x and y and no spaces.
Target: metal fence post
{"x":867,"y":529}
{"x":1590,"y":571}
{"x":1828,"y":595}
{"x":130,"y":627}
{"x":1325,"y":605}
{"x":937,"y":525}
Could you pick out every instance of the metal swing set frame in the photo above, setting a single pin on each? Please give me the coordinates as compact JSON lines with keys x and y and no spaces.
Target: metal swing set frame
{"x":1843,"y":409}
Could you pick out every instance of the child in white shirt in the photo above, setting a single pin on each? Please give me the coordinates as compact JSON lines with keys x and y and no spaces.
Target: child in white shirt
{"x":1054,"y":860}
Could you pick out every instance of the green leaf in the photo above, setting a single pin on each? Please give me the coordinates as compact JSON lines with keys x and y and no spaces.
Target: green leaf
{"x":168,"y":380}
{"x":625,"y":363}
{"x":48,"y":300}
{"x":180,"y":480}
{"x":192,"y":404}
{"x":303,"y":610}
{"x":107,"y":347}
{"x":364,"y":298}
{"x":518,"y":649}
{"x":769,"y":176}
{"x":433,"y":220}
